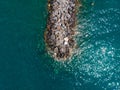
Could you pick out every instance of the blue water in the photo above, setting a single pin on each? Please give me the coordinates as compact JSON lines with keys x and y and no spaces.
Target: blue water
{"x":25,"y":64}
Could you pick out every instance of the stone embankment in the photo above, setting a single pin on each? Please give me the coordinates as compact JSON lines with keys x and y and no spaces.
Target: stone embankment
{"x":59,"y":36}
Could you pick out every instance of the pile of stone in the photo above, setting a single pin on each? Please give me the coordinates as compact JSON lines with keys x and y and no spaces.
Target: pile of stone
{"x":60,"y":28}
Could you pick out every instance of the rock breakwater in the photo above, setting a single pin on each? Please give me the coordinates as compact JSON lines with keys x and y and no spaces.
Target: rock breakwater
{"x":59,"y":36}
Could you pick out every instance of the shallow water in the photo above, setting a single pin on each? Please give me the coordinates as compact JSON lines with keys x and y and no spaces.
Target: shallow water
{"x":25,"y":64}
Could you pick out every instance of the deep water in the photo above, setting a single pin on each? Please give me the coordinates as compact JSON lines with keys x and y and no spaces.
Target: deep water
{"x":25,"y":64}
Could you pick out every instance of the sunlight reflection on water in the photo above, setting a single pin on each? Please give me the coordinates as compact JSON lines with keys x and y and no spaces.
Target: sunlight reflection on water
{"x":96,"y":59}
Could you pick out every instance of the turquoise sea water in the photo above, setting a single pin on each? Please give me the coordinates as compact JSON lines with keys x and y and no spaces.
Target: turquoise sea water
{"x":25,"y":64}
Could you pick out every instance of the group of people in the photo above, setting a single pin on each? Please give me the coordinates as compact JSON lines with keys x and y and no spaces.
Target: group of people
{"x":60,"y":28}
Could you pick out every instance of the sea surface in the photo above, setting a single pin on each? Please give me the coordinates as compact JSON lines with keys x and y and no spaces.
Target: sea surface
{"x":25,"y":64}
